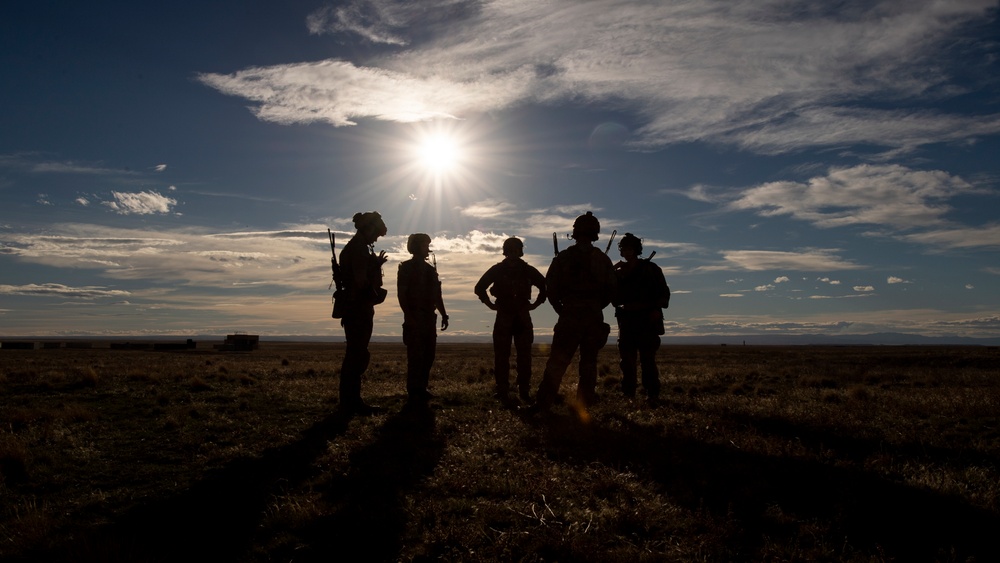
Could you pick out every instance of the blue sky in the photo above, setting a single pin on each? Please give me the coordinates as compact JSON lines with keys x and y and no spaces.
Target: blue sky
{"x":798,"y":167}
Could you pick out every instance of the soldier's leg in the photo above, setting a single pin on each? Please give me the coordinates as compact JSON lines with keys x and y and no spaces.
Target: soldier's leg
{"x":501,"y":352}
{"x":650,"y":373}
{"x":564,"y":343}
{"x":420,"y":357}
{"x":524,"y":335}
{"x":586,"y":391}
{"x":357,"y":335}
{"x":414,"y":355}
{"x":429,"y":355}
{"x":627,"y":350}
{"x":595,"y":339}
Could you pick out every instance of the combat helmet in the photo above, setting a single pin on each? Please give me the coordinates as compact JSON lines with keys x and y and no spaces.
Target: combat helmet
{"x":513,"y":247}
{"x":414,"y":240}
{"x":631,"y":241}
{"x":371,"y":223}
{"x":586,"y":226}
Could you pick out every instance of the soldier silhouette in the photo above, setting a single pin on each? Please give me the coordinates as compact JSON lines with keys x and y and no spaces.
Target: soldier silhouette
{"x":419,"y":293}
{"x":510,"y":282}
{"x":580,"y":282}
{"x":642,"y":295}
{"x":361,"y":270}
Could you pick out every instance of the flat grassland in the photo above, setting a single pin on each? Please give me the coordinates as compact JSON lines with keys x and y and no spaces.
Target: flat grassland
{"x":755,"y":453}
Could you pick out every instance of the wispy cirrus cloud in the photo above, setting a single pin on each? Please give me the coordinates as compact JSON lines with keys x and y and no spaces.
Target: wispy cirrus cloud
{"x":766,"y":76}
{"x":64,"y":291}
{"x":41,"y":164}
{"x":986,"y":236}
{"x":808,"y":260}
{"x":377,"y":22}
{"x":489,"y":209}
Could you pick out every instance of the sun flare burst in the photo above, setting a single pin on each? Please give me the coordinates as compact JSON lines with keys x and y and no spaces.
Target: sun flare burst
{"x":439,"y":153}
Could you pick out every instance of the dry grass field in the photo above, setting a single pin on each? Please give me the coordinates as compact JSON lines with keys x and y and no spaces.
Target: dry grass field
{"x":755,"y":454}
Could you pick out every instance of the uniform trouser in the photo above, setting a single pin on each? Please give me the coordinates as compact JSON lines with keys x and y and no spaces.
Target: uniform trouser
{"x":585,"y":330}
{"x":420,"y":337}
{"x":632,"y":342}
{"x":357,"y":334}
{"x":512,"y":325}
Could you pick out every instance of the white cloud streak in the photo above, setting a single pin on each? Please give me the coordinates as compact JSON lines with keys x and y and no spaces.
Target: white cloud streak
{"x":884,"y":195}
{"x":140,"y":203}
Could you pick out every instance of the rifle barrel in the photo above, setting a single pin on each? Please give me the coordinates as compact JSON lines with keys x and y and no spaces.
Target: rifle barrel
{"x":555,"y":244}
{"x":610,"y":240}
{"x":334,"y":266}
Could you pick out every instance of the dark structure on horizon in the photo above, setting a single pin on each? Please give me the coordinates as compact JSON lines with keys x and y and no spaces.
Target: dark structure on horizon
{"x":239,"y":343}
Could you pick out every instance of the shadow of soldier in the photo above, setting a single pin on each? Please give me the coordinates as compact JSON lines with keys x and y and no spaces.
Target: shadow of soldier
{"x":857,"y":449}
{"x":366,"y":518}
{"x":213,"y":520}
{"x":766,"y":498}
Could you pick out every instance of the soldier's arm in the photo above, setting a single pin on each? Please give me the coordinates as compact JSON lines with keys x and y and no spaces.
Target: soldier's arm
{"x":663,"y":291}
{"x":552,"y":287}
{"x":617,"y":299}
{"x":484,"y":283}
{"x":440,"y":305}
{"x":610,"y":281}
{"x":403,"y":288}
{"x":538,"y":280}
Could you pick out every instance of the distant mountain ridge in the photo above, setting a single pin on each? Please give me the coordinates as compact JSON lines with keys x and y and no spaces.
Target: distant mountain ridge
{"x":873,"y":339}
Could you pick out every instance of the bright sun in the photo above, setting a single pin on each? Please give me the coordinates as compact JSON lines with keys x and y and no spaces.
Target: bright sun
{"x":439,"y":153}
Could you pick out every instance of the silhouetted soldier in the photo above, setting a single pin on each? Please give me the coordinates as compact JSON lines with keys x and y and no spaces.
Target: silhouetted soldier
{"x":580,"y":283}
{"x":419,"y":292}
{"x":361,"y":271}
{"x":642,"y":295}
{"x":510,"y":282}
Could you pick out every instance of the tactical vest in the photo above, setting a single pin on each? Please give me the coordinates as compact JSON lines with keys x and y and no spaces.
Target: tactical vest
{"x":513,"y":282}
{"x":582,"y":276}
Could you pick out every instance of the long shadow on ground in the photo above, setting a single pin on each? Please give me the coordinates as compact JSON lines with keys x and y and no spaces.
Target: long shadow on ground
{"x":215,"y":519}
{"x":367,"y":518}
{"x":857,"y":449}
{"x":868,"y":512}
